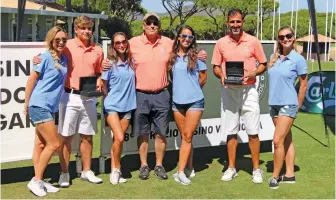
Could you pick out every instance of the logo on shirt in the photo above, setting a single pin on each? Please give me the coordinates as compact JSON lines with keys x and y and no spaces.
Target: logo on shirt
{"x":246,"y":49}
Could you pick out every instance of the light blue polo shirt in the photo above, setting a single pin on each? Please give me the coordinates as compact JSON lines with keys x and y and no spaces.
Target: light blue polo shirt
{"x":50,"y":84}
{"x":121,"y":86}
{"x":186,"y":87}
{"x":282,"y":76}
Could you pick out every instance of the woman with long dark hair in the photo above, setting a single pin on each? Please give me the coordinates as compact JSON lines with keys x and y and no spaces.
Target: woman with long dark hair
{"x":42,"y":97}
{"x":188,"y":77}
{"x":284,"y":68}
{"x":119,"y":86}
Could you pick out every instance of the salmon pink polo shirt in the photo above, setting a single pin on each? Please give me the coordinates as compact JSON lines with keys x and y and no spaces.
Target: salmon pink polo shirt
{"x":82,"y":61}
{"x":248,"y":49}
{"x":150,"y":62}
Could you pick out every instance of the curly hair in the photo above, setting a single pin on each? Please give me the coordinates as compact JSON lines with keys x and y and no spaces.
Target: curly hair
{"x":192,"y":50}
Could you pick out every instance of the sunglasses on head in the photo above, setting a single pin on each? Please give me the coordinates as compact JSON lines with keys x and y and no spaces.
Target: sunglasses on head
{"x":58,"y":40}
{"x":124,"y":42}
{"x":184,"y":36}
{"x":288,"y":36}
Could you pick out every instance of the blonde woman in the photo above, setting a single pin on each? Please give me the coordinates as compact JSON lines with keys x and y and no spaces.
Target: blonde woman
{"x":285,"y":67}
{"x":43,"y":91}
{"x":120,"y":101}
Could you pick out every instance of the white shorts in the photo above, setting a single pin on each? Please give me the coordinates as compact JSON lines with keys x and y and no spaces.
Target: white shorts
{"x":77,"y":114}
{"x":240,"y":101}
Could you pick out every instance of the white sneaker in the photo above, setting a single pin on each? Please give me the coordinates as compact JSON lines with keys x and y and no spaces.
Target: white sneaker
{"x":122,"y":180}
{"x":257,"y":176}
{"x":50,"y":188}
{"x":89,"y":176}
{"x":64,"y":180}
{"x":229,"y":174}
{"x":114,"y":177}
{"x":37,"y":187}
{"x":181,"y":178}
{"x":190,"y":173}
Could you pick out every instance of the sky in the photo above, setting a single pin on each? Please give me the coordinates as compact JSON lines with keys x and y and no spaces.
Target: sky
{"x":285,"y":5}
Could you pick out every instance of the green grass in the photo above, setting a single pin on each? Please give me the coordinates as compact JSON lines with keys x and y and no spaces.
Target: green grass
{"x":325,"y":66}
{"x":315,"y":172}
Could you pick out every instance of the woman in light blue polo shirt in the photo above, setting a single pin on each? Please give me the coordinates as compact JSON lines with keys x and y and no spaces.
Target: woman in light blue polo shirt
{"x":188,"y":77}
{"x":43,"y":91}
{"x":119,"y":85}
{"x":285,"y":67}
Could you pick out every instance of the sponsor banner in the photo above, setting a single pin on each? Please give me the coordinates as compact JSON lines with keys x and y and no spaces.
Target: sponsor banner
{"x":313,"y":99}
{"x":206,"y":134}
{"x":17,"y":130}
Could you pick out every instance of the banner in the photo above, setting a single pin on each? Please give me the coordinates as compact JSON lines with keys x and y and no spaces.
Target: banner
{"x":208,"y":131}
{"x":313,"y":99}
{"x":17,"y":130}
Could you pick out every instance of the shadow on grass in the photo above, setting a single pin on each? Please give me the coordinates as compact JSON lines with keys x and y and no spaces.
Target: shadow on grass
{"x":24,"y":174}
{"x":270,"y":166}
{"x":330,"y":121}
{"x":202,"y":158}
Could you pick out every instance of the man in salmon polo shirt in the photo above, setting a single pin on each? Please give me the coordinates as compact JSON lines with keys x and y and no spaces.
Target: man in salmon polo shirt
{"x":151,"y":52}
{"x":240,"y":100}
{"x":77,"y":113}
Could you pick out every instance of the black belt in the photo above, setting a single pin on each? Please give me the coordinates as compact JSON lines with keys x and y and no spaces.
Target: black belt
{"x":152,"y":92}
{"x":68,"y":90}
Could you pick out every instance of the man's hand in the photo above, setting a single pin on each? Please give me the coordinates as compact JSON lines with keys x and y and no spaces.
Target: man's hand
{"x":99,"y":85}
{"x":223,"y":78}
{"x":106,"y":65}
{"x":37,"y":60}
{"x":202,"y":55}
{"x":249,"y":74}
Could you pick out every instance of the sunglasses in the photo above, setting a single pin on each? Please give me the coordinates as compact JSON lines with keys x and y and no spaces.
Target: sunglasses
{"x":124,"y":42}
{"x":185,"y":36}
{"x":58,"y":40}
{"x":155,"y":23}
{"x":235,"y":21}
{"x":288,"y":36}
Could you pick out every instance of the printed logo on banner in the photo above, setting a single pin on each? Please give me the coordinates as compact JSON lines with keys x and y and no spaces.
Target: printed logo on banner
{"x":261,"y":84}
{"x":313,"y":98}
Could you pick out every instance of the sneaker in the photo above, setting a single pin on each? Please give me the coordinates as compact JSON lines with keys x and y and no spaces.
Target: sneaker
{"x":285,"y":179}
{"x":64,"y":180}
{"x":37,"y":187}
{"x":181,"y":178}
{"x":229,"y":174}
{"x":89,"y":176}
{"x":115,"y":176}
{"x":273,"y":183}
{"x":144,"y":172}
{"x":122,"y":180}
{"x":190,"y":173}
{"x":257,"y":176}
{"x":50,"y":188}
{"x":160,"y":172}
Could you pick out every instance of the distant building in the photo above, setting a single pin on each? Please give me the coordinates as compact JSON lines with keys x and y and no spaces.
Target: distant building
{"x":39,"y":17}
{"x":323,"y":47}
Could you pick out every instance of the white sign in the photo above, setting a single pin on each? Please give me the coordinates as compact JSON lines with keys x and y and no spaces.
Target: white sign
{"x":17,"y":131}
{"x":206,"y":134}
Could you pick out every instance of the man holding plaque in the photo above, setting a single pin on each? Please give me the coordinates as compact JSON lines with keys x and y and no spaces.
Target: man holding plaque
{"x":77,"y":109}
{"x":236,"y":55}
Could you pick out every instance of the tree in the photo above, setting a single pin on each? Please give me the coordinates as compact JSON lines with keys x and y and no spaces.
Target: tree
{"x":68,"y":6}
{"x":181,"y":10}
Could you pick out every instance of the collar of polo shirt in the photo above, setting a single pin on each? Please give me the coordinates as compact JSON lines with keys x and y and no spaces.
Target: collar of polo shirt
{"x":242,"y":38}
{"x":146,"y":41}
{"x":80,"y":44}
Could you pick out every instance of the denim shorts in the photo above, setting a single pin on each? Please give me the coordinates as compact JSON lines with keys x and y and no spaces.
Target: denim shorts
{"x":287,"y":110}
{"x":39,"y":115}
{"x":197,"y":106}
{"x":122,"y":115}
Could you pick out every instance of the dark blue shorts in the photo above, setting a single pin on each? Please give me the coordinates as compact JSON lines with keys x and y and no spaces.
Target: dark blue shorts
{"x":197,"y":106}
{"x":39,"y":115}
{"x":152,"y":113}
